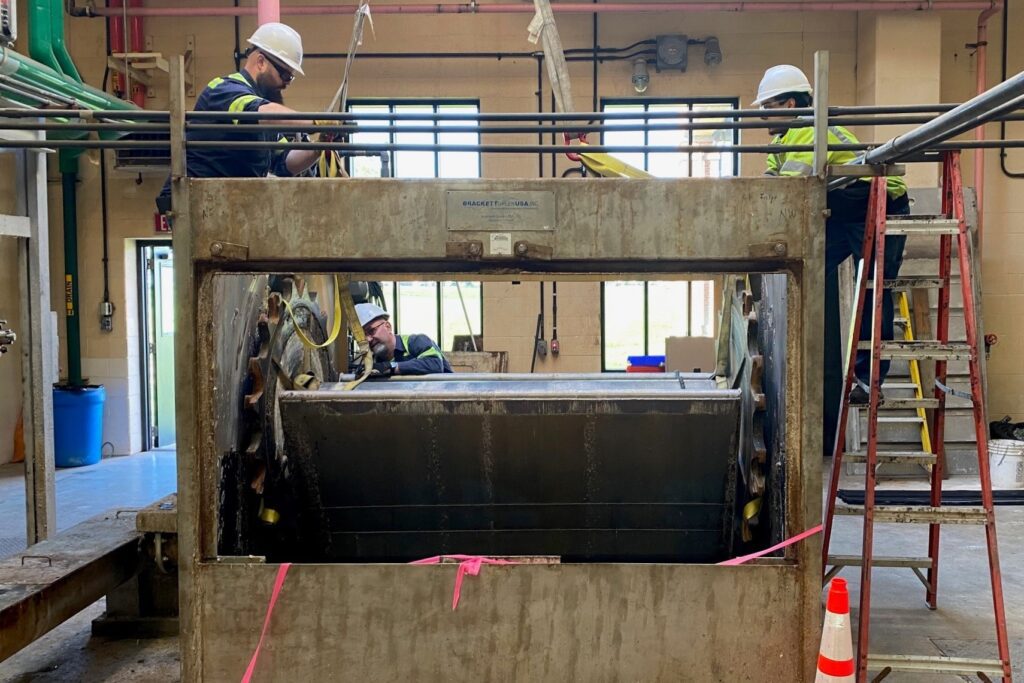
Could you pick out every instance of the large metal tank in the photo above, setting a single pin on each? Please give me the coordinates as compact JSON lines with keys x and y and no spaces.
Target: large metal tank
{"x":587,"y":467}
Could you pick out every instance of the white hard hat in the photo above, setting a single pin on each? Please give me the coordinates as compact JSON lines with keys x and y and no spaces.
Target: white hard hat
{"x":369,"y":312}
{"x":281,"y":42}
{"x":780,"y":80}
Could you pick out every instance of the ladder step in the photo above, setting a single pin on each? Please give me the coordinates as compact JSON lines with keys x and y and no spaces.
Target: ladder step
{"x":880,"y":561}
{"x":897,"y":386}
{"x":911,"y":350}
{"x":916,"y":457}
{"x":913,"y":283}
{"x":908,"y":403}
{"x":943,"y":665}
{"x":902,"y":419}
{"x":925,"y":225}
{"x":918,"y":514}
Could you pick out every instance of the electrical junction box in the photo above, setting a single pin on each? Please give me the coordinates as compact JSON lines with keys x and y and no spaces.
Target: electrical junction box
{"x":8,"y":21}
{"x":671,"y":53}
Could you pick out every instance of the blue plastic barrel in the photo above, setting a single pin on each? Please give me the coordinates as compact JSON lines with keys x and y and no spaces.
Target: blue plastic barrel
{"x":78,"y":425}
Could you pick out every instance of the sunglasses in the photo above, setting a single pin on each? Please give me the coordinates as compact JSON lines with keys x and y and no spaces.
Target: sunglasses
{"x":286,"y":76}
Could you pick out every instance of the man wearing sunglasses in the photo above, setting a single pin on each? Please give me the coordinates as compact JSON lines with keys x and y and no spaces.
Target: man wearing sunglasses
{"x":787,"y":87}
{"x":272,"y":61}
{"x":407,"y":354}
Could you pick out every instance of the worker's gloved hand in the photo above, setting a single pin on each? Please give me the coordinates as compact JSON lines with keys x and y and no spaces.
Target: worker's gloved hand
{"x":382,"y":369}
{"x":325,"y":136}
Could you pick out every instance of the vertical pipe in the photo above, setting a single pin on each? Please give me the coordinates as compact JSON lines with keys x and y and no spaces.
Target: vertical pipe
{"x":69,"y":178}
{"x":40,"y":45}
{"x":116,"y":26}
{"x":136,"y":41}
{"x":267,"y":11}
{"x":60,"y":50}
{"x":979,"y":132}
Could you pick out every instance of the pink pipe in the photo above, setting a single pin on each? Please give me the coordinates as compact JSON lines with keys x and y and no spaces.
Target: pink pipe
{"x":136,"y":39}
{"x":267,"y":11}
{"x":568,"y":8}
{"x":117,"y":44}
{"x":979,"y":132}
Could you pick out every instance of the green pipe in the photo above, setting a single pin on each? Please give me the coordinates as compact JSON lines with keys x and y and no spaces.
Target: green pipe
{"x":59,"y":47}
{"x":73,"y":333}
{"x":27,"y":70}
{"x":40,"y":44}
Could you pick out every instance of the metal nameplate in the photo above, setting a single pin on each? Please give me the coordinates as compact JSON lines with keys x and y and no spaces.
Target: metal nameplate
{"x":500,"y":211}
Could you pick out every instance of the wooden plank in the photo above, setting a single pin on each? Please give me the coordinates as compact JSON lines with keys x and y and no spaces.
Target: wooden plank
{"x":55,"y":579}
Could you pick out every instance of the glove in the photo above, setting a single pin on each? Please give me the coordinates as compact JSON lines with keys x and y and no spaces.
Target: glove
{"x":382,"y":369}
{"x":327,"y":136}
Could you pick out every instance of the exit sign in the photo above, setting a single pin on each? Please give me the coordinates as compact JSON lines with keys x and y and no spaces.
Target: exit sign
{"x":160,"y":223}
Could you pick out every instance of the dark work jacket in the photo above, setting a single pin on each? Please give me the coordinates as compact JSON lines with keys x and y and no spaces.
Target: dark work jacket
{"x":417,"y":354}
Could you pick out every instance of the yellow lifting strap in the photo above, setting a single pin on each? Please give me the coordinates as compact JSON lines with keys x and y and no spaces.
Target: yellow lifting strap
{"x":342,"y":302}
{"x":607,"y":166}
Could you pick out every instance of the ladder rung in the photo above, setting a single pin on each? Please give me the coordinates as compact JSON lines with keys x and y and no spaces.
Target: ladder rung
{"x":908,"y":403}
{"x":918,"y":514}
{"x":880,"y":561}
{"x":911,"y":350}
{"x":933,"y":664}
{"x":917,"y":457}
{"x":902,"y":419}
{"x":897,"y":386}
{"x":913,"y":283}
{"x":900,"y":321}
{"x":929,"y":225}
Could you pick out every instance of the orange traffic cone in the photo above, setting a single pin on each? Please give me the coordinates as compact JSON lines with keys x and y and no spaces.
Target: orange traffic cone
{"x":835,"y":657}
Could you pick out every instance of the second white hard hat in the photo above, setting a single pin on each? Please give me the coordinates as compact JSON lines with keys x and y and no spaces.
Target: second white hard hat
{"x":281,"y":42}
{"x":369,"y":312}
{"x":780,"y":80}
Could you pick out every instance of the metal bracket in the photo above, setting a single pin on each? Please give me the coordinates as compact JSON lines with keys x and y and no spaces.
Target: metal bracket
{"x":950,"y":391}
{"x":227,"y":251}
{"x":471,"y":249}
{"x":777,"y":248}
{"x":530,"y":250}
{"x":190,"y":65}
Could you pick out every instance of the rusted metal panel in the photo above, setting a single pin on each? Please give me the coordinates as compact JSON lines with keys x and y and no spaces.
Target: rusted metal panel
{"x":57,"y":578}
{"x":731,"y":222}
{"x":567,"y":622}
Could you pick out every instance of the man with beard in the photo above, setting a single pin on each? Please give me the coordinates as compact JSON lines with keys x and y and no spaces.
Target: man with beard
{"x":272,"y":61}
{"x":407,"y":354}
{"x":787,"y":87}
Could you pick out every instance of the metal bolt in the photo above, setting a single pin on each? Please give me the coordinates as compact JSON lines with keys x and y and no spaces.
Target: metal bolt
{"x":216,"y":248}
{"x":522,"y":249}
{"x":474,"y":248}
{"x":780,"y":248}
{"x":827,"y":213}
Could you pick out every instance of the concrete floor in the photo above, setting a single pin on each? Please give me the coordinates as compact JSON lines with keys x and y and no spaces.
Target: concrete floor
{"x":901,"y":624}
{"x":128,"y":481}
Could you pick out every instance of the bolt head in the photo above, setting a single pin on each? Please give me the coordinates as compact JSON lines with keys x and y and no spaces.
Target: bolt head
{"x":216,"y":248}
{"x":474,"y":249}
{"x":522,"y":249}
{"x":780,"y":248}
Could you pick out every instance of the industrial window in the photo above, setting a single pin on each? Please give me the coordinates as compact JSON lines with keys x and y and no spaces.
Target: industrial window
{"x":441,"y":310}
{"x":415,"y":164}
{"x":637,"y":316}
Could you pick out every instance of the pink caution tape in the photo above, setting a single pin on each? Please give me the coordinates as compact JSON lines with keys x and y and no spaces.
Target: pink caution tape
{"x":282,"y":572}
{"x":789,"y":541}
{"x":468,"y":564}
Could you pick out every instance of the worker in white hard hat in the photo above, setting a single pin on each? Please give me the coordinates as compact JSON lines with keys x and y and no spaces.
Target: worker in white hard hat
{"x":406,"y":354}
{"x":272,"y":61}
{"x":786,"y":87}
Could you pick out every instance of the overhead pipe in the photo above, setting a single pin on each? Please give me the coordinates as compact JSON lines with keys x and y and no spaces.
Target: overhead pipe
{"x":558,"y":8}
{"x":40,"y":39}
{"x":1000,"y":100}
{"x":268,"y":11}
{"x":981,"y":45}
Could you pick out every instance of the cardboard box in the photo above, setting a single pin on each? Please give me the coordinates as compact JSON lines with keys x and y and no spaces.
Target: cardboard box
{"x":689,"y":354}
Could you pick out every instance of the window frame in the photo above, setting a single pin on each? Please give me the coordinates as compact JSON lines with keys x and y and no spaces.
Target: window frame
{"x":434,"y":103}
{"x":690,"y":102}
{"x":392,"y":307}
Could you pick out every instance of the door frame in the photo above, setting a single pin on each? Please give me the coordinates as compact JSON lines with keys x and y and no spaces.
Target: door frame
{"x":141,"y":245}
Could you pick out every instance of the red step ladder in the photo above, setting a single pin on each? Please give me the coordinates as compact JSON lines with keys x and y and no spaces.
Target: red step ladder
{"x":950,"y":226}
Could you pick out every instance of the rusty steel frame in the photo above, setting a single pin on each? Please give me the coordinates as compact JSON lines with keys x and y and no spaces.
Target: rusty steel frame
{"x":759,"y":621}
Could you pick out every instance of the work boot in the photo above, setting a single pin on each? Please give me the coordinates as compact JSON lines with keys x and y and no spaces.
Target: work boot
{"x":861,"y":397}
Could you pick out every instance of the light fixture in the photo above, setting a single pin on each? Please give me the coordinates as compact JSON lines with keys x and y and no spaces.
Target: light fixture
{"x":640,"y":79}
{"x":712,"y":51}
